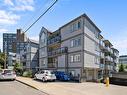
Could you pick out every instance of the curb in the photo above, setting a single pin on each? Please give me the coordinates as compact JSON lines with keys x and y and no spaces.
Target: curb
{"x":27,"y":84}
{"x":32,"y":87}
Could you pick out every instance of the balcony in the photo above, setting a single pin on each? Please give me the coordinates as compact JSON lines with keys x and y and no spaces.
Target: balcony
{"x":54,"y":40}
{"x":102,"y":66}
{"x":58,"y":51}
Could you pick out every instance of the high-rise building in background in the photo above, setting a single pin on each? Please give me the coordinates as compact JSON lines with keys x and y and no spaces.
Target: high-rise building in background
{"x":9,"y":42}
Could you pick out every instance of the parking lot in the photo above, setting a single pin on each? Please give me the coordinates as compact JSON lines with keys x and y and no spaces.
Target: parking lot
{"x":72,"y":88}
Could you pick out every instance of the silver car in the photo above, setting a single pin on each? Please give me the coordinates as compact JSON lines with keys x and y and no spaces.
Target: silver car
{"x":7,"y":74}
{"x":45,"y":75}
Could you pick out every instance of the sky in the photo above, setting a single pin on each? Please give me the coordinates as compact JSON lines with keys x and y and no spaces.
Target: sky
{"x":109,"y":15}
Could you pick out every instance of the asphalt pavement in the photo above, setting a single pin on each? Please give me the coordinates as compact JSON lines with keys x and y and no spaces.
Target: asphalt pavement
{"x":17,"y":88}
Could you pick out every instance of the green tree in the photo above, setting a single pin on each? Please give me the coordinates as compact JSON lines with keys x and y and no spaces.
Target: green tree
{"x":18,"y":68}
{"x":126,"y":66}
{"x":2,"y":60}
{"x":121,"y":68}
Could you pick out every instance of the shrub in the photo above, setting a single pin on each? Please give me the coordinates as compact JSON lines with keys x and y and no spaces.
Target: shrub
{"x":27,"y":73}
{"x":121,"y":68}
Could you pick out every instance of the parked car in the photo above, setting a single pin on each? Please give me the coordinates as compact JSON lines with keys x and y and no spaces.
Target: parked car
{"x":62,"y":76}
{"x":6,"y":74}
{"x":45,"y":75}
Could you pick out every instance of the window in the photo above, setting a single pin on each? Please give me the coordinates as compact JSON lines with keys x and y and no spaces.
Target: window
{"x":72,"y":43}
{"x":96,"y":34}
{"x":43,"y":39}
{"x":43,"y":62}
{"x":72,"y":58}
{"x":79,"y":24}
{"x":76,"y":42}
{"x":75,"y":26}
{"x":77,"y":58}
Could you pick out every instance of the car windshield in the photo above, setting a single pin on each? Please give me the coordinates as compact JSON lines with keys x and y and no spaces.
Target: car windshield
{"x":8,"y":71}
{"x":52,"y":73}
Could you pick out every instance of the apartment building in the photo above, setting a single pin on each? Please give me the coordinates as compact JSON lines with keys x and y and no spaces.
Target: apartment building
{"x":108,"y":58}
{"x":73,"y":48}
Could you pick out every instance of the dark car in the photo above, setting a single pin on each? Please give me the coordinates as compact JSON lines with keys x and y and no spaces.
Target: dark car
{"x":62,"y":76}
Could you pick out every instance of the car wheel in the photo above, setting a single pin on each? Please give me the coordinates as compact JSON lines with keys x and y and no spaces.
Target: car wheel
{"x":13,"y":79}
{"x":35,"y":77}
{"x":43,"y":80}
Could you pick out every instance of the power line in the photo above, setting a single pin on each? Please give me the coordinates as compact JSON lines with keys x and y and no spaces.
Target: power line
{"x":41,"y":16}
{"x":32,"y":17}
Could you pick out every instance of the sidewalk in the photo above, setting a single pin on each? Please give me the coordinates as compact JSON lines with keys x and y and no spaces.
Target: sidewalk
{"x":68,"y":88}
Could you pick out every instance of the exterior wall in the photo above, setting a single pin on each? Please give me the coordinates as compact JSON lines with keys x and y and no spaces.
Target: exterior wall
{"x":91,"y":46}
{"x":68,"y":32}
{"x":61,"y":61}
{"x":67,"y":35}
{"x":43,"y":60}
{"x":32,"y":55}
{"x":75,"y":64}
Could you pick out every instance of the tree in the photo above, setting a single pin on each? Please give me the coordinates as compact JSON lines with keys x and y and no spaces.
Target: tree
{"x":126,"y":67}
{"x":18,"y":68}
{"x":121,"y":68}
{"x":2,"y":60}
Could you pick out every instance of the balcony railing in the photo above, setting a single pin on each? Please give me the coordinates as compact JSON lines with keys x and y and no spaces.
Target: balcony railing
{"x":58,"y":51}
{"x":54,"y":40}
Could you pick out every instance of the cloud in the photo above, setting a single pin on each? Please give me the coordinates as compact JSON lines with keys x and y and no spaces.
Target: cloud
{"x":121,"y":45}
{"x":8,"y":2}
{"x":3,"y":30}
{"x":26,"y":1}
{"x":36,"y":38}
{"x":23,"y":8}
{"x":23,"y":5}
{"x":8,"y":17}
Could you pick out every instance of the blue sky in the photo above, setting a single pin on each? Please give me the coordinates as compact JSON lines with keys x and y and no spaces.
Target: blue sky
{"x":109,"y":15}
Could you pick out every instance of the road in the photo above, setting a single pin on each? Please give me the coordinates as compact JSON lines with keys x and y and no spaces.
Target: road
{"x":16,"y":88}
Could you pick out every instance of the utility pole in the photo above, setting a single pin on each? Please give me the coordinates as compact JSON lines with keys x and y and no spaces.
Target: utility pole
{"x":5,"y":60}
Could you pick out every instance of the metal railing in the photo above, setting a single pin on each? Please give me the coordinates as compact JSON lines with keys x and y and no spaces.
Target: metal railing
{"x":58,"y":51}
